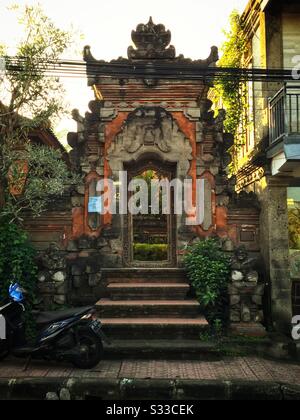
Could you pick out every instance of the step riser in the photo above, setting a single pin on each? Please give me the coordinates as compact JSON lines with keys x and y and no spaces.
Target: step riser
{"x":147,"y":295}
{"x":174,"y":332}
{"x":145,"y":280}
{"x":144,"y":273}
{"x":143,"y":312}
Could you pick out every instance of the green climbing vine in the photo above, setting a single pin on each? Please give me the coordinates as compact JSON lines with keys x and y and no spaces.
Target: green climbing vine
{"x":233,"y":92}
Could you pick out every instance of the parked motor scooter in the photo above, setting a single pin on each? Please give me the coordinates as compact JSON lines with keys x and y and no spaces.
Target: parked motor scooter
{"x":72,"y":335}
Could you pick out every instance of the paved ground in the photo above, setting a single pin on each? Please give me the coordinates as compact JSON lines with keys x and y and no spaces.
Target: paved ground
{"x":242,"y":368}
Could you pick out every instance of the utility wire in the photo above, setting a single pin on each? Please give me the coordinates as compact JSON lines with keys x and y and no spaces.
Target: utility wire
{"x":179,"y":71}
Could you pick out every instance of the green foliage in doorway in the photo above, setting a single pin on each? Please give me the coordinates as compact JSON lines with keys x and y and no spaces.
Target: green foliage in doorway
{"x":150,"y":252}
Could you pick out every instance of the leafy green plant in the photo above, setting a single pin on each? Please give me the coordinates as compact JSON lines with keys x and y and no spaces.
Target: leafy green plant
{"x":208,"y":268}
{"x":47,"y":177}
{"x":31,"y":102}
{"x":218,"y":326}
{"x":17,"y":264}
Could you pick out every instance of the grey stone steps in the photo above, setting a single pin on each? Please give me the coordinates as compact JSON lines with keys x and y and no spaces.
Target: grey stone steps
{"x":144,"y":280}
{"x":150,"y":304}
{"x":108,"y":308}
{"x":148,"y":291}
{"x":144,"y":275}
{"x":154,"y":328}
{"x":139,"y":271}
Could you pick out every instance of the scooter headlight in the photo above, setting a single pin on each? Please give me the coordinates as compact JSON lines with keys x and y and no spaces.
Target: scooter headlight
{"x":90,"y":316}
{"x":87,"y":317}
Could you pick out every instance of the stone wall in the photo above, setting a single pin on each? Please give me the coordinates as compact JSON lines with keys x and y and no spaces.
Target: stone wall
{"x":271,"y":193}
{"x":275,"y":251}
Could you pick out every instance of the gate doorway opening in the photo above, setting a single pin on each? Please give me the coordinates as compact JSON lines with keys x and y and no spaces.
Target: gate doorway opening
{"x":152,"y":237}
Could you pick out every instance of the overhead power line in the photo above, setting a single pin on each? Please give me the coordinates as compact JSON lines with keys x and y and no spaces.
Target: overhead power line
{"x":153,"y":70}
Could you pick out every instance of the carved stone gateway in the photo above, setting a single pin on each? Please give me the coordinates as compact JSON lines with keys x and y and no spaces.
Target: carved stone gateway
{"x":147,"y":113}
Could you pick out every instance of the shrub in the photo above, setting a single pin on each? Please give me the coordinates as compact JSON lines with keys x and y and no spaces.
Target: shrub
{"x":17,"y":264}
{"x":208,"y":268}
{"x":150,"y":252}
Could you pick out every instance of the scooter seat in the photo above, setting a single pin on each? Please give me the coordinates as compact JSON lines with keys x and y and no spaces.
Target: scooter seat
{"x":56,"y":316}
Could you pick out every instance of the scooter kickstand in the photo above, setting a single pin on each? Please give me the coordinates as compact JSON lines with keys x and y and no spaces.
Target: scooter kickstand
{"x":28,"y":361}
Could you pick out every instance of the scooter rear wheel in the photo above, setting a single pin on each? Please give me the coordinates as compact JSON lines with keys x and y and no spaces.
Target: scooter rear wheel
{"x":91,"y":350}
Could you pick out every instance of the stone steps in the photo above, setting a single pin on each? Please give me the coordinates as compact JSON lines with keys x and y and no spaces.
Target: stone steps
{"x":151,"y":313}
{"x":107,"y":308}
{"x":143,"y":271}
{"x":143,"y":280}
{"x":142,"y":275}
{"x":154,"y":328}
{"x":148,"y":291}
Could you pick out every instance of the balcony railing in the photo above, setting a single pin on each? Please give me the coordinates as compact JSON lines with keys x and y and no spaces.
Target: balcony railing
{"x":285,"y":113}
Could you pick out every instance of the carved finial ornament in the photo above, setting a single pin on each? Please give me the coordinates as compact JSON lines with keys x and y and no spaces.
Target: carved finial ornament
{"x":151,"y":42}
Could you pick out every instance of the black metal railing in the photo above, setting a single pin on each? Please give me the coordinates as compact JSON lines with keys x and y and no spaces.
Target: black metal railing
{"x":284,"y":109}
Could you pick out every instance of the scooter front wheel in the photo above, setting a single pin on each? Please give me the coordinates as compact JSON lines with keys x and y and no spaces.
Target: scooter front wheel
{"x":90,"y":350}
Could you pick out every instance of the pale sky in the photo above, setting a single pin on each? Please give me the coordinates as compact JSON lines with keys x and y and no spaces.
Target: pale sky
{"x":106,"y":25}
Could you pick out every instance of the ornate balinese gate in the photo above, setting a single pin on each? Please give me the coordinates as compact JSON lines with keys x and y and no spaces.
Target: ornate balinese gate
{"x":153,"y":104}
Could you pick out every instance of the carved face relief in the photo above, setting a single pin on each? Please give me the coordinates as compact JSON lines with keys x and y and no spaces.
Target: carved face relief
{"x":150,"y":130}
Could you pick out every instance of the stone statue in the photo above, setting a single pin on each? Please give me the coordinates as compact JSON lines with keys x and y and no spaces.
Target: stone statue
{"x":246,"y":293}
{"x":52,"y":276}
{"x":219,"y":121}
{"x":243,"y":267}
{"x":53,"y":258}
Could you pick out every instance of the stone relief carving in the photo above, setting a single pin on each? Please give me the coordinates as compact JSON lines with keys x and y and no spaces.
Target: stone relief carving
{"x":151,"y":130}
{"x":246,"y":293}
{"x":147,"y":133}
